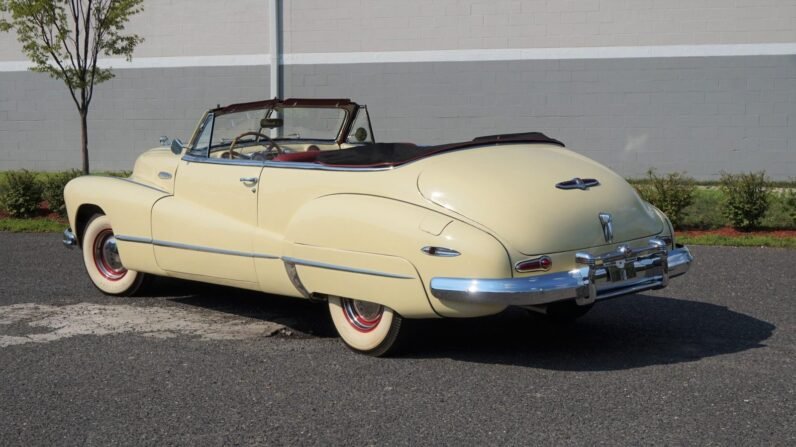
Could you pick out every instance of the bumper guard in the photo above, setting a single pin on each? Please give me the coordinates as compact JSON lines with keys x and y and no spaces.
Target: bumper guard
{"x":70,"y":240}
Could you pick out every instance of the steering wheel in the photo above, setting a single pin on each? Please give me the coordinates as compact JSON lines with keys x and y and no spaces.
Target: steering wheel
{"x":271,"y":143}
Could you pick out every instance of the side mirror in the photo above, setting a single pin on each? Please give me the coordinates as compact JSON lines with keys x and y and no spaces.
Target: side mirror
{"x":177,"y":146}
{"x":271,"y":123}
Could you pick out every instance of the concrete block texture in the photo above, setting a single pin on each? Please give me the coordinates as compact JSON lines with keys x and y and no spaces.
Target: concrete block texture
{"x":699,"y":115}
{"x":413,"y":25}
{"x":188,"y":28}
{"x":127,"y":116}
{"x":240,"y":27}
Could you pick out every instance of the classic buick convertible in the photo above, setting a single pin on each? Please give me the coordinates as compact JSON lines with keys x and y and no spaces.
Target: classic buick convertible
{"x":294,"y":197}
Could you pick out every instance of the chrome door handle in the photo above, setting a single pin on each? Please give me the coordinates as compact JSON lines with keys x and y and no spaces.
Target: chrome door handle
{"x":249,"y":180}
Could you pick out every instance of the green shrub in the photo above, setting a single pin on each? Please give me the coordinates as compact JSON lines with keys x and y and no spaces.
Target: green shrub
{"x":53,"y":189}
{"x":705,"y":211}
{"x":20,"y":193}
{"x":789,"y":199}
{"x":746,"y":199}
{"x":671,"y":193}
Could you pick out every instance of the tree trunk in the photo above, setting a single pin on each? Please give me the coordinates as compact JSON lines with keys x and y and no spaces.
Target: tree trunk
{"x":84,"y":139}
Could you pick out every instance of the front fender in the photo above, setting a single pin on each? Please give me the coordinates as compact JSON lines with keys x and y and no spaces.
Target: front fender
{"x":127,"y":203}
{"x":376,"y":243}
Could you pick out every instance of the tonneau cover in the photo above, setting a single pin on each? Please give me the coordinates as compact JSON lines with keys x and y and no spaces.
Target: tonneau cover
{"x":391,"y":154}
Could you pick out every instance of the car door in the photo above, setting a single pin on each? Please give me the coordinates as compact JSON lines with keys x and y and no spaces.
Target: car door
{"x":206,"y":229}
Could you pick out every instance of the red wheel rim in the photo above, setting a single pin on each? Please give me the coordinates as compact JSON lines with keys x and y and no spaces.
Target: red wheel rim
{"x":361,"y":315}
{"x":106,"y":256}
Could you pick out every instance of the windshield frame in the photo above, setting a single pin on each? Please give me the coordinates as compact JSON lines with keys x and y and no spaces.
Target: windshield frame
{"x":351,"y":108}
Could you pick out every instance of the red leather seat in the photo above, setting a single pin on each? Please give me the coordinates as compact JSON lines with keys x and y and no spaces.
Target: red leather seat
{"x":297,"y":156}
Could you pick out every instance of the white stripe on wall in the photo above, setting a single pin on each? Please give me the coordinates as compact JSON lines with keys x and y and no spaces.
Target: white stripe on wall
{"x":664,"y":51}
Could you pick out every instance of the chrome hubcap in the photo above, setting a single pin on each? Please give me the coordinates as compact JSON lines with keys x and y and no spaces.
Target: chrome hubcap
{"x":111,"y":253}
{"x":106,"y":256}
{"x":362,"y":315}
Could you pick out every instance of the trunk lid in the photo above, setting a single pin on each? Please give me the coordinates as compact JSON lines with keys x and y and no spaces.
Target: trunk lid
{"x":511,"y":189}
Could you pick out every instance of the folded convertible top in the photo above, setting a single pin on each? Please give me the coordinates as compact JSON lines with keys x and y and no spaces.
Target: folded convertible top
{"x":391,"y":154}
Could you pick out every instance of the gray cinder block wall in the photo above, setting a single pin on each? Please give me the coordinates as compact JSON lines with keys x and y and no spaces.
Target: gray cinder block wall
{"x":732,"y":110}
{"x":700,"y":115}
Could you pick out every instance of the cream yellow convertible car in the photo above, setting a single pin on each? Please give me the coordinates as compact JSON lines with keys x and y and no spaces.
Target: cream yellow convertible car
{"x":294,"y":197}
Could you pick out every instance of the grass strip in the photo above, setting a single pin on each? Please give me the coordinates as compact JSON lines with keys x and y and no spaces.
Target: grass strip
{"x":738,"y":241}
{"x":31,"y":225}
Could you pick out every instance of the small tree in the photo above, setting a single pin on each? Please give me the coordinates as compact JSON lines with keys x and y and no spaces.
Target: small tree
{"x":64,"y":38}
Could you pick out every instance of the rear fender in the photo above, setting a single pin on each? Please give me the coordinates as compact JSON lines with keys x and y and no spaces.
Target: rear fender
{"x":370,"y":248}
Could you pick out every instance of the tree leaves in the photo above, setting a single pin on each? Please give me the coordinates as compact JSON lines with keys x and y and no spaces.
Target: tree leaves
{"x":65,"y":38}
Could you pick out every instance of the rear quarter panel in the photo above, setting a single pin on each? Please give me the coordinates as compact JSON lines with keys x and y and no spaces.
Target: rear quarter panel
{"x":386,"y":236}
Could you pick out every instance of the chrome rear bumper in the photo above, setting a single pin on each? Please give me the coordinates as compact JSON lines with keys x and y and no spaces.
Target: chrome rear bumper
{"x":70,"y":240}
{"x":608,"y":275}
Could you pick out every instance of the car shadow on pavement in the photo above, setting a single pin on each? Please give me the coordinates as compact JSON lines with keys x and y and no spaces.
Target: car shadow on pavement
{"x":301,"y":318}
{"x":629,"y":332}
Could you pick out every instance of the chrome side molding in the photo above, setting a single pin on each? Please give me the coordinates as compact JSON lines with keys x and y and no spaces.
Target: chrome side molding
{"x":181,"y":246}
{"x":292,"y":274}
{"x":341,"y":268}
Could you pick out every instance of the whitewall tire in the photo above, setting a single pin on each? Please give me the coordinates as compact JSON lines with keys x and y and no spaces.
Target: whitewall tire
{"x":102,"y":260}
{"x":366,"y":328}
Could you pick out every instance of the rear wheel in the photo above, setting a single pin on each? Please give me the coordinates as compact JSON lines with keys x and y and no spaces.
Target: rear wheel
{"x":366,"y":328}
{"x":102,"y":261}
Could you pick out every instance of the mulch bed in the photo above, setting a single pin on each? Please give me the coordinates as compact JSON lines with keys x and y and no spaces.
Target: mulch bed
{"x":42,"y":213}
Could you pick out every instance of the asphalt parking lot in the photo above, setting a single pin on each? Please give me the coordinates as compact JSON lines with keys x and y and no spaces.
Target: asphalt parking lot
{"x":708,"y":360}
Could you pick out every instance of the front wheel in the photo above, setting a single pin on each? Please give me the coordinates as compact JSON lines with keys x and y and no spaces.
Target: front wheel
{"x":103,"y":264}
{"x":366,"y":328}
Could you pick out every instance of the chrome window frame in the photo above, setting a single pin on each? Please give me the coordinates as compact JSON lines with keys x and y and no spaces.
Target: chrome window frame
{"x":280,"y":164}
{"x":209,"y":118}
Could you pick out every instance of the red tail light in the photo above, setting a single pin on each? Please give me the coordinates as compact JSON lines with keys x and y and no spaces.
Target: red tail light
{"x":543,"y":263}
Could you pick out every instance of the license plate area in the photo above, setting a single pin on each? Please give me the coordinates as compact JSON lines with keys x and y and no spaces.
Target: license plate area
{"x":620,"y":270}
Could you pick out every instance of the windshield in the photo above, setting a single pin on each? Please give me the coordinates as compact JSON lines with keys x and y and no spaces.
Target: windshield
{"x":300,"y":123}
{"x":307,"y":123}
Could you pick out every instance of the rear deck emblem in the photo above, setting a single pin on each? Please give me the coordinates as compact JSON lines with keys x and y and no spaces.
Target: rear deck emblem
{"x":578,"y":183}
{"x":608,"y":227}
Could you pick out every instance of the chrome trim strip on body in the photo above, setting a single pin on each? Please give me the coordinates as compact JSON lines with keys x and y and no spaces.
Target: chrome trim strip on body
{"x":222,"y":161}
{"x":181,"y":246}
{"x":70,"y":240}
{"x":141,"y":184}
{"x":140,"y":240}
{"x":601,"y":277}
{"x":341,"y":268}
